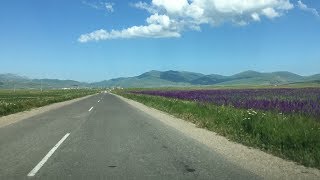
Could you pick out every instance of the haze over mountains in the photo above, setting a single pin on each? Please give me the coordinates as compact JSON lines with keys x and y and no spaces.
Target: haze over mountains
{"x":164,"y":79}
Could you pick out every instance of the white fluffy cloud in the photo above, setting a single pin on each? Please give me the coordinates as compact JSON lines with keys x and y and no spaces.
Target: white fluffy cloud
{"x":159,"y":26}
{"x":304,"y":7}
{"x":169,"y":18}
{"x":270,"y":13}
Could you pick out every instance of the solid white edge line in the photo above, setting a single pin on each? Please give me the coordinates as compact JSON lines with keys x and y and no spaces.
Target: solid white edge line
{"x":45,"y":159}
{"x":90,"y":109}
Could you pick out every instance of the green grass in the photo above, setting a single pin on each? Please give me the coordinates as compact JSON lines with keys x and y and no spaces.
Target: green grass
{"x":21,"y":100}
{"x":292,"y":137}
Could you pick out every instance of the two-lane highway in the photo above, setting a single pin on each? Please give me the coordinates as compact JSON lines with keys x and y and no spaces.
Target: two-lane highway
{"x":102,"y":137}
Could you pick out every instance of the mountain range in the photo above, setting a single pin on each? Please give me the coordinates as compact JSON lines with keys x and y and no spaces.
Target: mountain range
{"x":164,"y":79}
{"x":10,"y":81}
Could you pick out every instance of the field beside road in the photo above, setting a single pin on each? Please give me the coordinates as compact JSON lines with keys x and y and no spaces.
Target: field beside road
{"x":283,"y":122}
{"x":16,"y":101}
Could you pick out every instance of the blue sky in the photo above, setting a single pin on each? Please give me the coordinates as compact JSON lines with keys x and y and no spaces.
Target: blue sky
{"x":74,"y":39}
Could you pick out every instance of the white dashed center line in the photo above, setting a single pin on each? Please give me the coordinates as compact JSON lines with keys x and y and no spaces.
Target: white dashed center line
{"x":45,"y":159}
{"x":90,"y":109}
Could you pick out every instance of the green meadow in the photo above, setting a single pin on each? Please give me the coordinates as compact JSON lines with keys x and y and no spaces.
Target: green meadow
{"x":21,"y":100}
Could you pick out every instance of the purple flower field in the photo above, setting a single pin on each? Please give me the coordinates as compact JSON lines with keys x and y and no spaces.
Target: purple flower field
{"x":304,"y":101}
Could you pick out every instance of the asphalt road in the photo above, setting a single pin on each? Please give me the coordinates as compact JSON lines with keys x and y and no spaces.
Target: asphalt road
{"x":111,"y":141}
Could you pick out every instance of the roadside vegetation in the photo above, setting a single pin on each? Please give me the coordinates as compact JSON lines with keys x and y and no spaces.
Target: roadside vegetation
{"x":21,"y":100}
{"x":283,"y":122}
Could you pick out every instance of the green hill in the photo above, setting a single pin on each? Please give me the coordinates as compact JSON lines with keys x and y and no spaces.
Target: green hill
{"x":184,"y":78}
{"x":11,"y":81}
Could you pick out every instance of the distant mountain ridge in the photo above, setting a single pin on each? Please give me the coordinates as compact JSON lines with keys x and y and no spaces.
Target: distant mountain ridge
{"x":164,"y":79}
{"x":10,"y":81}
{"x":184,"y":78}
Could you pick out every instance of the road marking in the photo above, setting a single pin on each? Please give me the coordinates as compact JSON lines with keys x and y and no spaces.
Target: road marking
{"x":90,"y":109}
{"x":45,"y":159}
{"x":98,"y":101}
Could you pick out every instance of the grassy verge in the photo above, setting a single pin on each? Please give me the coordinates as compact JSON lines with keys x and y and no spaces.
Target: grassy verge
{"x":292,"y":137}
{"x":13,"y":102}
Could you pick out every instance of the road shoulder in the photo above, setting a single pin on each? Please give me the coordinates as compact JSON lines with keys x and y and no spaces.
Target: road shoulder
{"x":254,"y":160}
